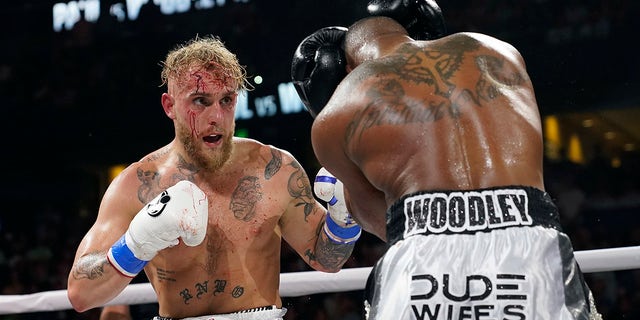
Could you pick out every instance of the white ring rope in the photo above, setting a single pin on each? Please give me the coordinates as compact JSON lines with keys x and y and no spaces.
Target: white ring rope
{"x":293,"y":284}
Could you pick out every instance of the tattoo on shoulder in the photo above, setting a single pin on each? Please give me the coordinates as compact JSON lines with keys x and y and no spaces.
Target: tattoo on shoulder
{"x":156,"y":155}
{"x":90,"y":267}
{"x":274,"y":164}
{"x":299,"y":188}
{"x":151,"y":179}
{"x":494,"y":68}
{"x":150,"y":184}
{"x":245,"y":197}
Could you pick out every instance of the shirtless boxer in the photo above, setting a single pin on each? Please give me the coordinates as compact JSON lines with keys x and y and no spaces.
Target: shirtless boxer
{"x":204,"y":216}
{"x":438,"y":143}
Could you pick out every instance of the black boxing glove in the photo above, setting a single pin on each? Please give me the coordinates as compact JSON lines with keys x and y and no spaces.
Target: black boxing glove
{"x":423,"y":19}
{"x":318,"y":66}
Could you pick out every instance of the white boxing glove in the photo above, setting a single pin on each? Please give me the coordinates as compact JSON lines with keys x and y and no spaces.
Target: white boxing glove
{"x":180,"y":212}
{"x":339,"y":225}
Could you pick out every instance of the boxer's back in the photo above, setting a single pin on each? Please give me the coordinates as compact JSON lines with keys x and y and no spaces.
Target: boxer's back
{"x":457,"y":113}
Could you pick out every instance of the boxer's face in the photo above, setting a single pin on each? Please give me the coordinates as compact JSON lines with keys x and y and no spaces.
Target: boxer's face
{"x":204,"y":102}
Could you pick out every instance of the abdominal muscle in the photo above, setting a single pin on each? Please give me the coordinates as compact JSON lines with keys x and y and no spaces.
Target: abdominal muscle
{"x":195,"y":282}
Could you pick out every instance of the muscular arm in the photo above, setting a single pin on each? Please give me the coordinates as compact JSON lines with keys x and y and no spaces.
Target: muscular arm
{"x":92,"y":280}
{"x":303,"y":221}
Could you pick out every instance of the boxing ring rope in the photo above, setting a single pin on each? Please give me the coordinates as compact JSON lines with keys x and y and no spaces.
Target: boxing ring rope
{"x":293,"y":284}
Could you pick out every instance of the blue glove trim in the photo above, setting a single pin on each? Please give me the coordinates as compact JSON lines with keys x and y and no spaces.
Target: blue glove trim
{"x":123,"y":260}
{"x":328,"y":179}
{"x":340,"y":234}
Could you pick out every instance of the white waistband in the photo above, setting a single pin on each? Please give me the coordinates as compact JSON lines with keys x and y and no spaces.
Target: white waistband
{"x":273,"y":313}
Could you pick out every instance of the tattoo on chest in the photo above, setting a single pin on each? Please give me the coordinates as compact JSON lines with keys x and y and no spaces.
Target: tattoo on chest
{"x":165,"y":275}
{"x":245,"y":197}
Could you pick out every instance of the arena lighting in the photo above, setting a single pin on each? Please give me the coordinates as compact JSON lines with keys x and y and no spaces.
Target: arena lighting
{"x":115,"y":170}
{"x":66,"y":14}
{"x":285,"y":102}
{"x":553,"y":142}
{"x":575,"y":153}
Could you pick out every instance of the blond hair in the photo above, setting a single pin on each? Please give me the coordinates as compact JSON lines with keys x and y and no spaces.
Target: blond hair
{"x":206,"y":53}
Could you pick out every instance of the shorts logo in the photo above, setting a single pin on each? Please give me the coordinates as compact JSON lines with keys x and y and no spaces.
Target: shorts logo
{"x":471,"y":211}
{"x":476,"y":296}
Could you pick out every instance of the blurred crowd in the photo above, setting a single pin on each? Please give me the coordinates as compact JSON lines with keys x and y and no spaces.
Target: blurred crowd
{"x":599,"y":204}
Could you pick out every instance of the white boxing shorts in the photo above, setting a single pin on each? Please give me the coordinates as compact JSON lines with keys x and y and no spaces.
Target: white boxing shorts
{"x":496,"y":254}
{"x":261,"y":313}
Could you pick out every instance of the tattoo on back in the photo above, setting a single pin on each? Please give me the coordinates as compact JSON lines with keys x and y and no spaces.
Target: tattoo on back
{"x":434,"y":68}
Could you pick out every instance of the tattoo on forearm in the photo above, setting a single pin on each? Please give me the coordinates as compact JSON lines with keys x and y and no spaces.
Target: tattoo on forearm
{"x":244,"y":198}
{"x":90,"y":267}
{"x":330,"y":254}
{"x":274,"y":164}
{"x":300,"y":189}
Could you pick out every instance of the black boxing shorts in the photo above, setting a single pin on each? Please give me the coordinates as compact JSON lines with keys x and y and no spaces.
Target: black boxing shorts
{"x":494,"y":253}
